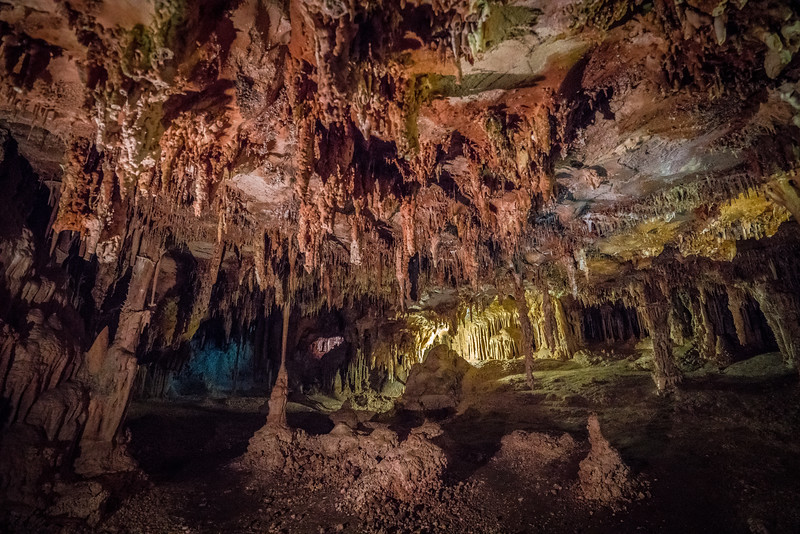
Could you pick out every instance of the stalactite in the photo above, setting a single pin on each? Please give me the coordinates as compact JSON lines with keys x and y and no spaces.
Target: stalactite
{"x":736,"y":305}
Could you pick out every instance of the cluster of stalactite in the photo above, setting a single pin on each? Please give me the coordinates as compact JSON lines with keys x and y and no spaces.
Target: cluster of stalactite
{"x":175,"y":124}
{"x":720,"y":311}
{"x":613,"y":322}
{"x":392,"y":348}
{"x":488,"y":333}
{"x":183,"y":159}
{"x":159,"y":314}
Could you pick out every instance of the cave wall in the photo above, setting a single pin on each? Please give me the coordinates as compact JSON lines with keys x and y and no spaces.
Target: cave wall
{"x":395,"y":174}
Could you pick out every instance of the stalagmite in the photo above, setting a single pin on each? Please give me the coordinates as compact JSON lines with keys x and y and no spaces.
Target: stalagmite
{"x":280,"y":391}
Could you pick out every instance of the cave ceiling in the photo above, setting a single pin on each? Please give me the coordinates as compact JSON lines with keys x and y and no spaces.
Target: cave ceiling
{"x":328,"y":150}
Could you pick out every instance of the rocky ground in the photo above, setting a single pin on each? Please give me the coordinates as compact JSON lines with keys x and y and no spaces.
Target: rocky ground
{"x":721,"y":455}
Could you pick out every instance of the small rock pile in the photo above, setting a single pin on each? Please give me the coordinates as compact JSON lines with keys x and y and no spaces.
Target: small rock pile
{"x":527,"y":451}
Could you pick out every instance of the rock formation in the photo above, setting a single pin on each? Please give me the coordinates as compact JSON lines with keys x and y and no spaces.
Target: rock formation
{"x":435,"y":383}
{"x":603,"y":475}
{"x":368,"y":469}
{"x":425,"y":181}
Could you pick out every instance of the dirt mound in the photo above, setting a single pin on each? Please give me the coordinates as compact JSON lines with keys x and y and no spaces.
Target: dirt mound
{"x":269,"y":449}
{"x":602,"y":477}
{"x":409,"y":473}
{"x":365,"y":468}
{"x":527,"y":451}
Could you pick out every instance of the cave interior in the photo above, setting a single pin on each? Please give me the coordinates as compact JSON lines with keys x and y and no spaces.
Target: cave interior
{"x":316,"y":266}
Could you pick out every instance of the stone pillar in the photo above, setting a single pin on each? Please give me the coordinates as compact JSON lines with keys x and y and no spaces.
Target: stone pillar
{"x":655,"y":310}
{"x":577,"y":319}
{"x":525,"y":326}
{"x":548,"y":322}
{"x":280,"y":391}
{"x":566,"y":340}
{"x":113,"y":370}
{"x":703,"y":330}
{"x":784,"y":192}
{"x":605,"y":316}
{"x":782,"y":311}
{"x":678,"y":325}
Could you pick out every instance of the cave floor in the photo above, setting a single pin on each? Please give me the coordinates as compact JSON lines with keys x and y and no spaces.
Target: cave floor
{"x":720,"y":455}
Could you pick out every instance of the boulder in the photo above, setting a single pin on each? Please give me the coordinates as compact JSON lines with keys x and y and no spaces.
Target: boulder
{"x":435,"y":384}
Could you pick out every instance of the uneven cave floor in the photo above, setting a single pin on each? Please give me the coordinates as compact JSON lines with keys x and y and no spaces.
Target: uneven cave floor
{"x":720,"y":455}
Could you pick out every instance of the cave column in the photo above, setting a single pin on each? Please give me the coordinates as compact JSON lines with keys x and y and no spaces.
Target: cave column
{"x":619,"y":325}
{"x":785,"y":192}
{"x":654,"y":308}
{"x":719,"y":353}
{"x":113,"y":370}
{"x":548,"y":323}
{"x":627,"y":324}
{"x":538,"y":333}
{"x":605,"y":323}
{"x":525,"y":326}
{"x":677,"y":326}
{"x":280,"y":391}
{"x":566,"y":338}
{"x":781,"y":308}
{"x":135,"y":314}
{"x":576,"y":319}
{"x":703,"y":329}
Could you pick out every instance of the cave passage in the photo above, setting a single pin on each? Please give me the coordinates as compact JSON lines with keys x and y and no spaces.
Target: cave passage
{"x":320,"y":266}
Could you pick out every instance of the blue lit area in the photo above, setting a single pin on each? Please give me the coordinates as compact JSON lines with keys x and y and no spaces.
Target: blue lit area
{"x":216,"y":371}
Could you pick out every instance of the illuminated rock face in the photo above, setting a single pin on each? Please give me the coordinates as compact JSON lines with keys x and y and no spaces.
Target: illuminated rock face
{"x":504,"y":179}
{"x":435,"y":384}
